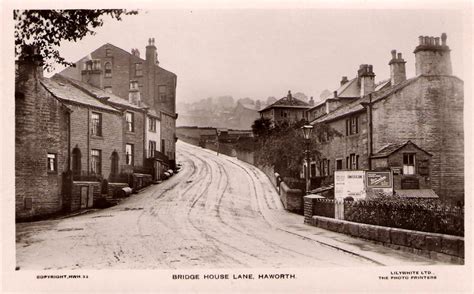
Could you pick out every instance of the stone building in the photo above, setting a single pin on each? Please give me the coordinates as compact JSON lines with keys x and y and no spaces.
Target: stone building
{"x":426,"y":110}
{"x":41,"y":142}
{"x":114,"y":70}
{"x":285,"y":110}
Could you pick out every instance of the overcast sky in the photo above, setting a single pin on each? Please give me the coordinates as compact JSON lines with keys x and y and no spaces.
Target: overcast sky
{"x":261,"y":53}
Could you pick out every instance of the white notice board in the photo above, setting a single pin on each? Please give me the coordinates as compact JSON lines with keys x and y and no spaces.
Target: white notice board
{"x":349,"y":183}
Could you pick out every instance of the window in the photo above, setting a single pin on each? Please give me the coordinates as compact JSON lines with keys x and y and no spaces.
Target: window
{"x":52,"y":162}
{"x":138,"y":69}
{"x":338,"y":164}
{"x":96,"y":124}
{"x":163,"y":146}
{"x":409,"y":163}
{"x":354,"y":162}
{"x":129,"y":119}
{"x":151,"y":148}
{"x":152,"y":124}
{"x":162,"y":91}
{"x":352,"y":125}
{"x":108,"y":69}
{"x":108,"y":52}
{"x":108,"y":89}
{"x":96,"y":161}
{"x":129,"y":154}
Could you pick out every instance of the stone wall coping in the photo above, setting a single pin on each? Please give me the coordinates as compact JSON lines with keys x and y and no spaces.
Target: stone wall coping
{"x":314,"y":196}
{"x":287,"y":189}
{"x":85,"y":182}
{"x":452,"y":237}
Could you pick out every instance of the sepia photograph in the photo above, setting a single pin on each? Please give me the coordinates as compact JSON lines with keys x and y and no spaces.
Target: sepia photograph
{"x":227,"y":148}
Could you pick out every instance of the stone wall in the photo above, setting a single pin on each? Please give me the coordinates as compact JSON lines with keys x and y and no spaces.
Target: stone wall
{"x":110,"y":141}
{"x":84,"y":194}
{"x":135,"y":137}
{"x":429,"y":112}
{"x":292,"y":199}
{"x":247,"y":156}
{"x":436,"y":246}
{"x":112,"y":191}
{"x":40,"y":128}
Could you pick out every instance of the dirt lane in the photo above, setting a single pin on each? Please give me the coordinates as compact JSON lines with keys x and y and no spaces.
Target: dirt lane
{"x":217,"y":212}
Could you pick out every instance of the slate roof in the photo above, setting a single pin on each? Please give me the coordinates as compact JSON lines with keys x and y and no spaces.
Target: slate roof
{"x":391,"y":148}
{"x":355,"y":106}
{"x":287,"y":102}
{"x":67,"y":92}
{"x":99,"y":93}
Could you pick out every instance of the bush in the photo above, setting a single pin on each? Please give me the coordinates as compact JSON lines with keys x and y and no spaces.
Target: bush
{"x":428,"y":215}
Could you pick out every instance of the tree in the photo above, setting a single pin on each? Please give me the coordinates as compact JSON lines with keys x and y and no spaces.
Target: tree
{"x":45,"y":29}
{"x":271,"y":100}
{"x":261,"y":127}
{"x":283,"y":146}
{"x":258,"y":105}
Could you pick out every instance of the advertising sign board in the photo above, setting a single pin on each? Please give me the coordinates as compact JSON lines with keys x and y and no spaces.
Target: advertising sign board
{"x":380,"y":181}
{"x":349,"y":183}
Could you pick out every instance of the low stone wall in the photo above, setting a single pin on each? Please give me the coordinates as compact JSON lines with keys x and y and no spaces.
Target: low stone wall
{"x":436,"y":246}
{"x":292,"y":199}
{"x":91,"y":190}
{"x":247,"y":156}
{"x":112,"y":191}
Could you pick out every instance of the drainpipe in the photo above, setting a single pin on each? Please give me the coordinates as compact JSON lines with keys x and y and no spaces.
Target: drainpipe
{"x":68,"y":141}
{"x":88,"y":139}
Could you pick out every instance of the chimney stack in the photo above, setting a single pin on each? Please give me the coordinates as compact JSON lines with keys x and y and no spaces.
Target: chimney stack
{"x":92,"y":72}
{"x":366,"y":78}
{"x":289,"y":97}
{"x":397,"y":68}
{"x":134,"y":93}
{"x":431,"y":57}
{"x":344,"y":81}
{"x":311,"y":101}
{"x":30,"y":63}
{"x":135,"y":52}
{"x":151,"y":54}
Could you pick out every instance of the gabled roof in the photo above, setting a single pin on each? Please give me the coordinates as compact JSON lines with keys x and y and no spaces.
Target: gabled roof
{"x":385,"y":90}
{"x":348,"y":90}
{"x":68,"y":93}
{"x":99,"y":93}
{"x":287,"y":102}
{"x":392,"y":148}
{"x":341,"y":111}
{"x":123,"y":50}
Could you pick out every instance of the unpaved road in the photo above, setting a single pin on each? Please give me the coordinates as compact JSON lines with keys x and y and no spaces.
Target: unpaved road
{"x":218,"y":212}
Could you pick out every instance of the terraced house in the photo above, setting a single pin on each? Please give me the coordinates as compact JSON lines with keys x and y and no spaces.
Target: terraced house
{"x":73,"y":133}
{"x":413,"y":127}
{"x":121,"y":73}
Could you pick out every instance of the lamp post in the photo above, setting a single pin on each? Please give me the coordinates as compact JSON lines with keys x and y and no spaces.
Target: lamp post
{"x":307,"y":129}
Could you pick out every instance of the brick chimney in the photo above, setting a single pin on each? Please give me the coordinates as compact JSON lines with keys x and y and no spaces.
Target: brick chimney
{"x":431,"y":57}
{"x":151,"y":54}
{"x":92,"y":72}
{"x":29,"y":64}
{"x":289,"y":97}
{"x":135,"y":52}
{"x":366,"y":79}
{"x":134,"y":93}
{"x":311,"y":101}
{"x":397,"y":68}
{"x":344,"y":81}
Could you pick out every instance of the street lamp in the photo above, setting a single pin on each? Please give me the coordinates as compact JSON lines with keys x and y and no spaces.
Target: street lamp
{"x":307,"y":129}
